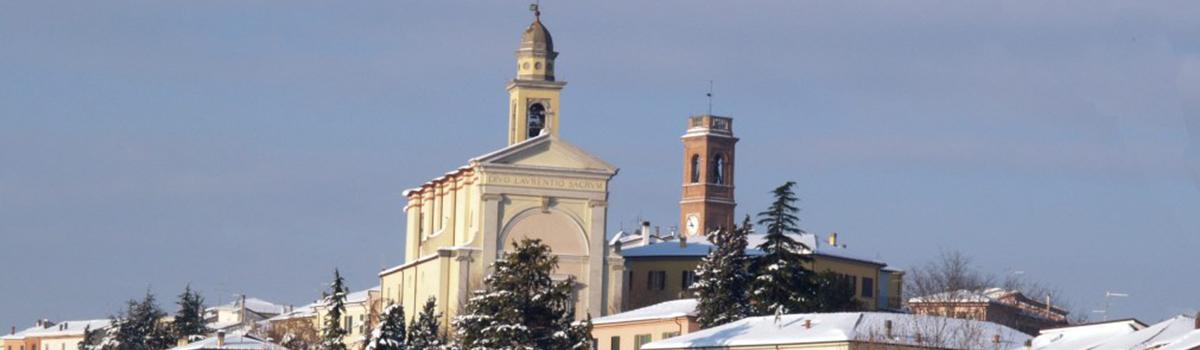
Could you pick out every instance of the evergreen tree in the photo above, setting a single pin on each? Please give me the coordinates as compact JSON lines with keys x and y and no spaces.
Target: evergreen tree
{"x":390,"y":334}
{"x":834,"y":293}
{"x":781,"y":283}
{"x":189,"y":320}
{"x":335,"y":305}
{"x":139,"y":328}
{"x":721,"y":278}
{"x":425,"y":333}
{"x":91,"y":339}
{"x":521,"y":307}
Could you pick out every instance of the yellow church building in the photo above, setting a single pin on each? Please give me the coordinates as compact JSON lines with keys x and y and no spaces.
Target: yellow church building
{"x":539,"y":186}
{"x":542,"y":187}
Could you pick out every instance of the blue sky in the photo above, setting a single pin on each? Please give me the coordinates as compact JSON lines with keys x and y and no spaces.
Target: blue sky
{"x":255,"y":146}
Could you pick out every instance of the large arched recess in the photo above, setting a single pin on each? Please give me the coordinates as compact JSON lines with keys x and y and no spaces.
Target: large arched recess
{"x":557,"y":229}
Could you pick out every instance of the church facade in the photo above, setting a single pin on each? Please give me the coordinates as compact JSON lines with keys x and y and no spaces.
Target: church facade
{"x":538,"y":187}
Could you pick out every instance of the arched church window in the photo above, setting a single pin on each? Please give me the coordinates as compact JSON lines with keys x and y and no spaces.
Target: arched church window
{"x":718,"y":169}
{"x":536,"y":120}
{"x":695,"y":168}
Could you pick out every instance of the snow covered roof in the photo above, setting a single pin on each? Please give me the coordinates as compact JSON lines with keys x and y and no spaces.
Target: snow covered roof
{"x":232,"y":342}
{"x":309,"y":310}
{"x":664,"y":310}
{"x":1188,"y":341}
{"x":254,"y":304}
{"x":67,"y":328}
{"x":1176,"y":333}
{"x":1159,"y":334}
{"x":1083,"y":336}
{"x":700,"y":248}
{"x":907,"y":329}
{"x":361,"y":296}
{"x":963,"y":296}
{"x":19,"y":335}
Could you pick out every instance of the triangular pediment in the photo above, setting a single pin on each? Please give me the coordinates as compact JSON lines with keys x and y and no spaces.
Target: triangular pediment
{"x":546,"y":151}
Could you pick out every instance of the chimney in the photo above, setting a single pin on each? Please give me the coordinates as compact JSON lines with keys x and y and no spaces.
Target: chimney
{"x":13,"y":330}
{"x":833,"y":240}
{"x":242,"y":311}
{"x":645,"y":232}
{"x":1197,"y":323}
{"x":617,"y":246}
{"x":996,"y":339}
{"x":683,"y":241}
{"x":220,"y":339}
{"x":808,"y":324}
{"x":887,"y":328}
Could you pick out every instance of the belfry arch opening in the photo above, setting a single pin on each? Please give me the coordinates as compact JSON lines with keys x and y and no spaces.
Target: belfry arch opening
{"x":717,"y":175}
{"x":536,"y":120}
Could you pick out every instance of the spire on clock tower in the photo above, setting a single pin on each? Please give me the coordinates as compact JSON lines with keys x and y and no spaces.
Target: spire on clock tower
{"x":534,"y":93}
{"x":708,"y":164}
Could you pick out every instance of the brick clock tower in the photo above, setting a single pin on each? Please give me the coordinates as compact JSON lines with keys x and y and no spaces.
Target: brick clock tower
{"x":708,"y":159}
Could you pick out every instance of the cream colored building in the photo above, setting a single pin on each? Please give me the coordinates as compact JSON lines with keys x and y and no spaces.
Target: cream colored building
{"x":634,"y":328}
{"x":46,"y":335}
{"x":538,"y":187}
{"x":663,"y":271}
{"x":243,"y":312}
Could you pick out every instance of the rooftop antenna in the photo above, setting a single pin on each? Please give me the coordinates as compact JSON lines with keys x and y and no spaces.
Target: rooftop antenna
{"x":1108,"y":295}
{"x":710,"y":96}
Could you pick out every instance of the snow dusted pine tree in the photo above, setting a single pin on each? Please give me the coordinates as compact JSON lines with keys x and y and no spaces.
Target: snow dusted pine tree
{"x":91,"y":339}
{"x":189,"y":321}
{"x":138,"y":328}
{"x":521,"y":307}
{"x":781,"y":285}
{"x":333,"y":333}
{"x":721,"y":278}
{"x":390,"y":334}
{"x":425,"y":333}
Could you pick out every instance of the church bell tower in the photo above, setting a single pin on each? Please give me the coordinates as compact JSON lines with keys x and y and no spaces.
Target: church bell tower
{"x":534,"y":94}
{"x":708,"y":159}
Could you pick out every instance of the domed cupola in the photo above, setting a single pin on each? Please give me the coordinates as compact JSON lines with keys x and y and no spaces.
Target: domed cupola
{"x":535,"y":56}
{"x":536,"y":38}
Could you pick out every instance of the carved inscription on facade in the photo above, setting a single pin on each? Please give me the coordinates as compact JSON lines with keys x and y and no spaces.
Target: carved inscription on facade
{"x":545,"y":182}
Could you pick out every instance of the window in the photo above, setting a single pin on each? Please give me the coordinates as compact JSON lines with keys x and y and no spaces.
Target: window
{"x":536,"y":119}
{"x":669,"y":335}
{"x":695,"y":168}
{"x":630,"y":282}
{"x":687,"y":278}
{"x":718,"y":170}
{"x":868,"y":287}
{"x":614,"y":343}
{"x":349,"y":322}
{"x":656,"y":280}
{"x":639,"y":340}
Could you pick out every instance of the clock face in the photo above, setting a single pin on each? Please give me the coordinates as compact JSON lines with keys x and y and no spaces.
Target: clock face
{"x":693,"y":224}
